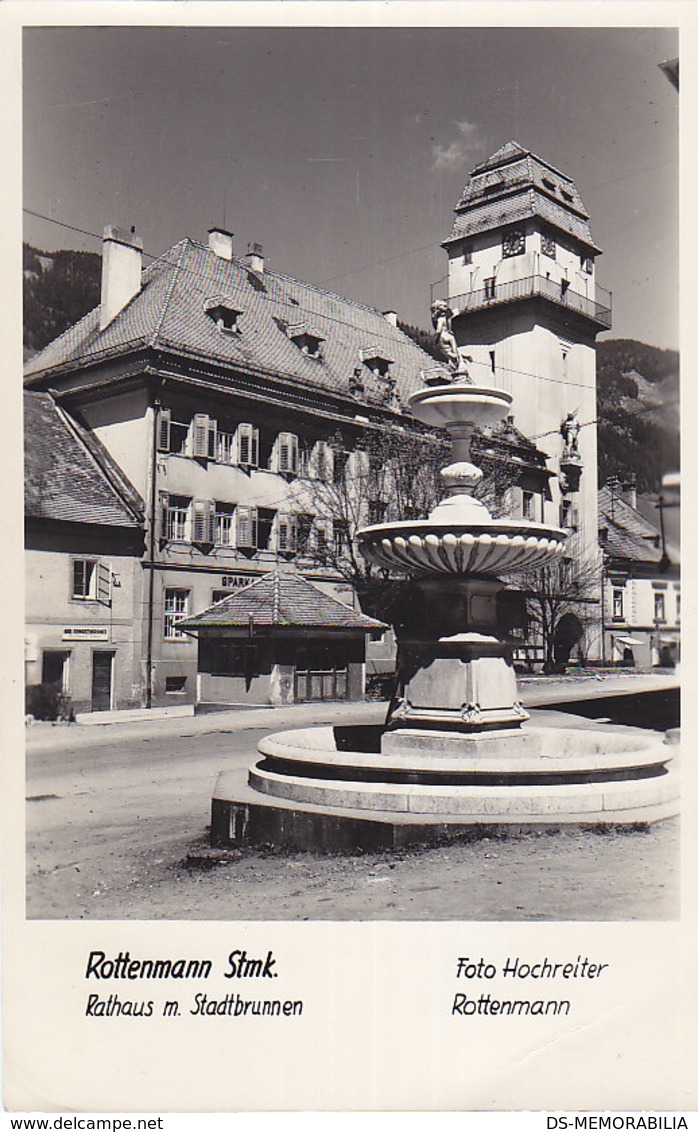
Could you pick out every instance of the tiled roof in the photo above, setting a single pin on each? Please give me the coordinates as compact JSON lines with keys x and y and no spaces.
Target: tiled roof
{"x":513,"y":185}
{"x":282,"y":600}
{"x":630,"y":535}
{"x":62,"y":479}
{"x":169,"y":312}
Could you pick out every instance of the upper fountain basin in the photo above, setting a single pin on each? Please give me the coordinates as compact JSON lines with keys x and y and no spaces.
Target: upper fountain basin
{"x":498,"y":546}
{"x":460,"y":405}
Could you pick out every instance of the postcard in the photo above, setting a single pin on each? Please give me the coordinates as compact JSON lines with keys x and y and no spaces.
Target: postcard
{"x":345,"y":639}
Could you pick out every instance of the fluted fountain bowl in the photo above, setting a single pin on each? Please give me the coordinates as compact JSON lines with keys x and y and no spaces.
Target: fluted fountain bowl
{"x":460,"y":405}
{"x":495,"y":547}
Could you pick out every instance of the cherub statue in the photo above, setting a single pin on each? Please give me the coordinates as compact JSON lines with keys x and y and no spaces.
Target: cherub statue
{"x":441,"y":315}
{"x":569,"y":430}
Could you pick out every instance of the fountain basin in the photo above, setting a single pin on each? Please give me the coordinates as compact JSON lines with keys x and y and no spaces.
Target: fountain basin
{"x":494,"y":547}
{"x":362,"y":787}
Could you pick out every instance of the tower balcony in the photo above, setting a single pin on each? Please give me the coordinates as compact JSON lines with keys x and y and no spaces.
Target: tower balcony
{"x":495,"y":294}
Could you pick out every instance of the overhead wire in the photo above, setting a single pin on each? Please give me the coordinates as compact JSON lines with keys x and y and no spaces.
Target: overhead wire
{"x":297,"y":309}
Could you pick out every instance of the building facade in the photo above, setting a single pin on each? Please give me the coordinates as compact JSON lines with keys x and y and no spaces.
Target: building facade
{"x":219,"y":388}
{"x":84,"y":543}
{"x":641,"y":584}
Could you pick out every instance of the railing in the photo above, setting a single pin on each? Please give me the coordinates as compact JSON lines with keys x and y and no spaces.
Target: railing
{"x":534,"y":286}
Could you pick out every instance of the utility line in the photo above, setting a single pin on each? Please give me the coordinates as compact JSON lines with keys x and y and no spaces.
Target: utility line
{"x":295,"y":311}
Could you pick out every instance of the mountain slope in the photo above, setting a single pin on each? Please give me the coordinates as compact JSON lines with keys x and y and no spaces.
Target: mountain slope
{"x":638,"y":411}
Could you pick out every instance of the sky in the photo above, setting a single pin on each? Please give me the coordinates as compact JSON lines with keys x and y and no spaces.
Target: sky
{"x":344,"y":150}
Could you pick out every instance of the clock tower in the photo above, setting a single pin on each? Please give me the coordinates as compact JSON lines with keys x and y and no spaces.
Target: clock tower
{"x":527,"y":309}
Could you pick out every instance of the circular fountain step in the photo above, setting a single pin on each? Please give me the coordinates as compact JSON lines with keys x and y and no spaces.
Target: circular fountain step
{"x":557,"y":774}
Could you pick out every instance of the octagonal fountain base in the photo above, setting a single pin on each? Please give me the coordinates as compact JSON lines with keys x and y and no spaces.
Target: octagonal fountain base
{"x":346,"y":788}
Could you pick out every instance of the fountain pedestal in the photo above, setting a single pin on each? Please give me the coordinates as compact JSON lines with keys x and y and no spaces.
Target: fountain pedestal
{"x":451,"y":755}
{"x":455,"y":666}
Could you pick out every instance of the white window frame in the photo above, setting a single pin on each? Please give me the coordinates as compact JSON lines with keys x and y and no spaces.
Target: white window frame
{"x":618,"y":610}
{"x":176,"y":601}
{"x":225,"y":447}
{"x":87,"y":589}
{"x":224,"y":525}
{"x":286,"y":532}
{"x":659,"y":605}
{"x":176,"y":518}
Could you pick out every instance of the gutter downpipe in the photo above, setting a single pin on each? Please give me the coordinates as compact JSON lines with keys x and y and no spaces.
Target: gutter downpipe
{"x":151,"y":578}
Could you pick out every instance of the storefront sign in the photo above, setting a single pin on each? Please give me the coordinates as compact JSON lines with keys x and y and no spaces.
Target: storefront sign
{"x":86,"y":633}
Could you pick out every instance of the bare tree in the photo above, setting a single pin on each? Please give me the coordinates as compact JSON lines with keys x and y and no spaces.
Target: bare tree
{"x":392,"y":474}
{"x":562,"y":604}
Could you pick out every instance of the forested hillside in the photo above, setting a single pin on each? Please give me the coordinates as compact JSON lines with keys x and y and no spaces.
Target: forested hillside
{"x":638,"y":411}
{"x":59,"y":288}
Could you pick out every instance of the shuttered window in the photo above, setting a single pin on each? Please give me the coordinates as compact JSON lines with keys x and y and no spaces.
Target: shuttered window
{"x":248,"y":445}
{"x":164,"y":424}
{"x":287,"y":453}
{"x":246,"y":527}
{"x":202,"y":521}
{"x":203,"y":437}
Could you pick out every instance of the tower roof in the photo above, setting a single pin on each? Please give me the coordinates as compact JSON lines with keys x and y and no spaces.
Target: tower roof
{"x":513,"y":185}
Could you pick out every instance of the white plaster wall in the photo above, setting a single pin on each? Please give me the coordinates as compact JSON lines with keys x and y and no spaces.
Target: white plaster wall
{"x":124,"y":425}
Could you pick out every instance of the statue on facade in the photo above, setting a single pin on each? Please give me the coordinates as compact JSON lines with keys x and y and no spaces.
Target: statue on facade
{"x":441,"y":315}
{"x":569,"y":430}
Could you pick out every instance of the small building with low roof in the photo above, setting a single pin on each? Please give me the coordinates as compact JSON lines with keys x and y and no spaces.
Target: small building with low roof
{"x":279,"y":640}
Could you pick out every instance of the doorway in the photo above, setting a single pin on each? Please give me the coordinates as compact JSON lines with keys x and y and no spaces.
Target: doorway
{"x":102,"y":673}
{"x":54,"y":669}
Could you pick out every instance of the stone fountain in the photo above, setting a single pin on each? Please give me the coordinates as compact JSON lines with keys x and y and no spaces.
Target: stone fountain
{"x":453,"y":757}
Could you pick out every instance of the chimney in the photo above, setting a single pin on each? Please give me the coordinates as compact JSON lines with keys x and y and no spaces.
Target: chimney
{"x":122,"y":264}
{"x":221,"y":242}
{"x":628,"y":491}
{"x":391,"y":317}
{"x":255,"y":257}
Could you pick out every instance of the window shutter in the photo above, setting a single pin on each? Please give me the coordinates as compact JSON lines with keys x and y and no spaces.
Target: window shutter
{"x":200,"y":435}
{"x":202,"y":521}
{"x":212,"y":438}
{"x":287,"y":452}
{"x":164,"y":507}
{"x":248,"y":445}
{"x":164,"y":423}
{"x":103,"y":583}
{"x":246,"y":526}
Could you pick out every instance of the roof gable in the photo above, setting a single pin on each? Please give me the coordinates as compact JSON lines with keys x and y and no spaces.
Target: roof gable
{"x":630,"y":535}
{"x":62,"y":479}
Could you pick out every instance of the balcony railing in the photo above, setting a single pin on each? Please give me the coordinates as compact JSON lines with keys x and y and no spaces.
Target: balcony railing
{"x":534,"y":286}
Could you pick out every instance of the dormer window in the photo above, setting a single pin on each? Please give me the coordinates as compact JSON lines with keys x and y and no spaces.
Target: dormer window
{"x":377,"y":362}
{"x":549,"y":184}
{"x":493,"y":186}
{"x":224,"y":314}
{"x":307,"y":338}
{"x":567,"y":196}
{"x":514,"y":242}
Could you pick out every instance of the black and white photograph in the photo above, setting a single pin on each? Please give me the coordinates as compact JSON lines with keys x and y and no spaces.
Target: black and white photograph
{"x":352,"y":565}
{"x":352,"y":472}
